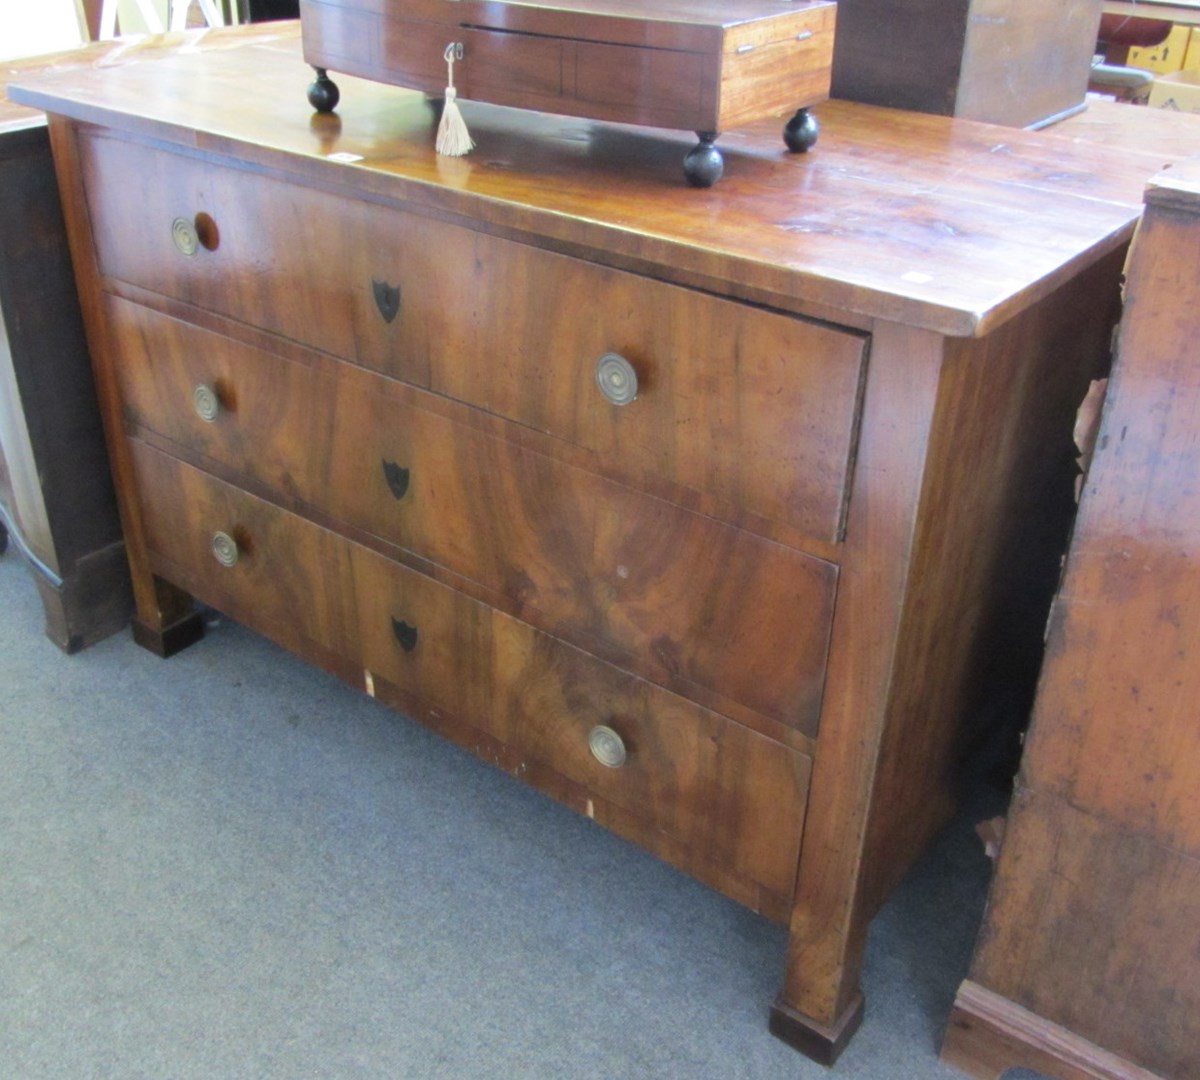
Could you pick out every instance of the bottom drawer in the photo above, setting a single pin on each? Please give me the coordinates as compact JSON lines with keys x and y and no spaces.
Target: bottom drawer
{"x":725,"y":795}
{"x":728,"y":794}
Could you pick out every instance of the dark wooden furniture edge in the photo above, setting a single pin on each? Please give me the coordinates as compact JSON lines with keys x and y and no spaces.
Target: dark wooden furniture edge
{"x":79,"y":567}
{"x":989,"y":1034}
{"x":93,"y":603}
{"x":821,"y":1043}
{"x":172,"y":638}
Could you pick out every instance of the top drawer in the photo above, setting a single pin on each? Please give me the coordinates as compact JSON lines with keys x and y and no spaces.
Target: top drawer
{"x":300,"y":263}
{"x":752,"y":410}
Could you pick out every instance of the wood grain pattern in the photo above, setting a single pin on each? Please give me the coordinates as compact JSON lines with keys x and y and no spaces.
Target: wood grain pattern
{"x":82,"y":572}
{"x":678,"y":597}
{"x":1136,"y":553}
{"x":985,"y":590}
{"x":949,"y":226}
{"x":707,"y":68}
{"x":163,"y":614}
{"x":1093,"y":921}
{"x":1155,"y":136}
{"x":987,"y":1034}
{"x":285,"y":571}
{"x":767,"y":69}
{"x":757,"y":409}
{"x":699,"y":863}
{"x":720,"y":791}
{"x":1094,"y":929}
{"x":828,"y":930}
{"x":272,"y":419}
{"x":949,"y":281}
{"x":129,"y":49}
{"x":257,"y":231}
{"x":964,"y":624}
{"x":685,"y":600}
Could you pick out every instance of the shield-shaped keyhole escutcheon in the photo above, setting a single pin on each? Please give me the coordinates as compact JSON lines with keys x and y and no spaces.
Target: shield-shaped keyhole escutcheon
{"x":396,"y":477}
{"x":405,"y":634}
{"x":387,"y":299}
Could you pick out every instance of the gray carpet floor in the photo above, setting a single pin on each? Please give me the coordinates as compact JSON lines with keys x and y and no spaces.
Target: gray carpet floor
{"x":230,"y":865}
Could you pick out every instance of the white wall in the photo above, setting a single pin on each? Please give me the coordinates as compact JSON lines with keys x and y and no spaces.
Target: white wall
{"x":131,"y":20}
{"x":30,"y":27}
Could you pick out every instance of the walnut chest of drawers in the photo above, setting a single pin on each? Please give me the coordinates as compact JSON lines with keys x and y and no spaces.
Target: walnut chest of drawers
{"x":701,"y":511}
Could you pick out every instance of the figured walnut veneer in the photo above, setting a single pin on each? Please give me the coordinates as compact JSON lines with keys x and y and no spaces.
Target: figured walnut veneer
{"x":781,"y":575}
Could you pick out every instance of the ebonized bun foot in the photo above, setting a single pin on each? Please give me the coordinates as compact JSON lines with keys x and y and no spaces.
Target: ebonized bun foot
{"x":703,"y":164}
{"x":822,"y":1044}
{"x":801,"y":131}
{"x":172,"y":638}
{"x":323,"y":94}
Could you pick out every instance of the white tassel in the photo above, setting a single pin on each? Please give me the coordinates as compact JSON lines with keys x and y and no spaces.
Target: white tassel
{"x":453,"y":138}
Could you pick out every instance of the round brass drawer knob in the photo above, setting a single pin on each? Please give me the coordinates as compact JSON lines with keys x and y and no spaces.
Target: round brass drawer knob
{"x":616,"y":378}
{"x":206,"y":403}
{"x":225,"y":549}
{"x":183,"y":232}
{"x":607,"y":746}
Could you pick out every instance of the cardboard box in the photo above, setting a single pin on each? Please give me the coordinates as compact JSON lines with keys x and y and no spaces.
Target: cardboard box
{"x":1166,"y":57}
{"x":1179,"y":91}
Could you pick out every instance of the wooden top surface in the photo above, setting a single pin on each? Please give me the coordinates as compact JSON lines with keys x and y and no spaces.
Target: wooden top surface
{"x":1178,"y":186}
{"x":945,"y":224}
{"x":106,"y":54}
{"x":1158,"y":137}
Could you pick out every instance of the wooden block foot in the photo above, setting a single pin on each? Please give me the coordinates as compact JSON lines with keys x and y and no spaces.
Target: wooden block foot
{"x":815,"y":1040}
{"x":91,"y":603}
{"x":172,"y":638}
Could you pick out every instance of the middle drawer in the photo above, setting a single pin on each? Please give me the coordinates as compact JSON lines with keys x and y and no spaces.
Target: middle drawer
{"x":684,"y":599}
